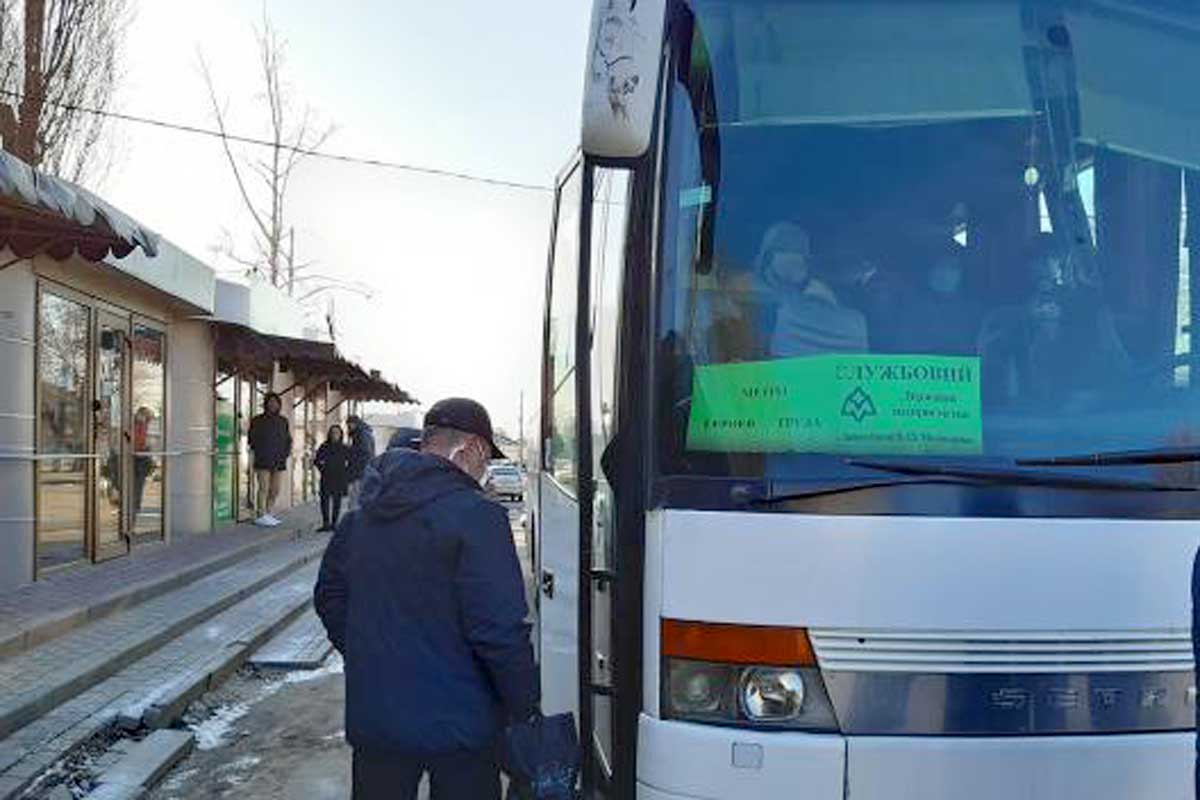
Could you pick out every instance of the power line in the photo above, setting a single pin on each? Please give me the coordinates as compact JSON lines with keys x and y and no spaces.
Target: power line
{"x":340,"y":157}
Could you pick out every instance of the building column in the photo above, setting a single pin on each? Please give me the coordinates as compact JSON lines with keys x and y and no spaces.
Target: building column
{"x":190,"y":410}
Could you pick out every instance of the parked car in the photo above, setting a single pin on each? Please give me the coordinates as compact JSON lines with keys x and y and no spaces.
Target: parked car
{"x":506,"y":480}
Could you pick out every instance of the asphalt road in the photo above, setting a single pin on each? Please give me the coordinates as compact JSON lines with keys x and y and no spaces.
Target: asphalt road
{"x":270,"y":735}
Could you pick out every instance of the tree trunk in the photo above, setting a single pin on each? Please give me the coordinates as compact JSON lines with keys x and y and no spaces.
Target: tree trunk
{"x":30,"y":110}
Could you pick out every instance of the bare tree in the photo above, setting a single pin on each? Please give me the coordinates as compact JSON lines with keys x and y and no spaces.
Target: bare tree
{"x":60,"y":65}
{"x":293,"y":134}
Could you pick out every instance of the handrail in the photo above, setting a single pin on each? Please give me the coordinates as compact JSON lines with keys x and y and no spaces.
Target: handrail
{"x":100,"y":456}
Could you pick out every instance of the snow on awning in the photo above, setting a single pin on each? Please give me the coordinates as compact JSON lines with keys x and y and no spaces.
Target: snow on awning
{"x":42,"y":214}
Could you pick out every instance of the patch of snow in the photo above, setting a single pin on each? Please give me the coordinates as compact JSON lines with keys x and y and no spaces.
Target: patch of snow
{"x":176,"y":781}
{"x":211,"y":733}
{"x":242,"y":764}
{"x":333,"y":666}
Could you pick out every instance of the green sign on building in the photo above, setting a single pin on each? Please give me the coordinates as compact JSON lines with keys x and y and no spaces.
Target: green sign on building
{"x":851,"y":404}
{"x":223,"y":474}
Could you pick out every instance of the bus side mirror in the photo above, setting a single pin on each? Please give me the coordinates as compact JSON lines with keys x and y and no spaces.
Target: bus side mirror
{"x":621,"y":79}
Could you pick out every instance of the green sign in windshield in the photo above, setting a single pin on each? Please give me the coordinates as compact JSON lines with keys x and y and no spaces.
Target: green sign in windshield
{"x":854,"y":404}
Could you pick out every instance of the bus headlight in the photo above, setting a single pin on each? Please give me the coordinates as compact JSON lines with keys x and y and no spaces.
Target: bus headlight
{"x":750,"y":696}
{"x":771,"y":695}
{"x":698,"y":689}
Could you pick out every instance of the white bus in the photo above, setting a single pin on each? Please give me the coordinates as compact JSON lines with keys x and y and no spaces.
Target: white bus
{"x":870,"y":408}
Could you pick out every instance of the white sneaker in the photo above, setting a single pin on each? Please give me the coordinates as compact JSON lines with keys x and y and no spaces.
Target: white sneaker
{"x":266,"y":521}
{"x":273,"y":521}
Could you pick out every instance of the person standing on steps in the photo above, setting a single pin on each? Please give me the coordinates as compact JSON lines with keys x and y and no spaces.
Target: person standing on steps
{"x":362,"y":448}
{"x":271,"y":442}
{"x":420,"y":590}
{"x":333,"y":462}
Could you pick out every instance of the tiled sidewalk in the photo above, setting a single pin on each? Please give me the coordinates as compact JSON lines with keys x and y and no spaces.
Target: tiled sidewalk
{"x":65,"y":600}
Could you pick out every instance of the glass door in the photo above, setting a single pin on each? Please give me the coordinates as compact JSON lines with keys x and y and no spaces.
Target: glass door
{"x":111,"y":437}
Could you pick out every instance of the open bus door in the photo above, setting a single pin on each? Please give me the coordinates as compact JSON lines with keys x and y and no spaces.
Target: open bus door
{"x":557,"y":483}
{"x":576,"y":507}
{"x":590,"y":625}
{"x":605,"y":274}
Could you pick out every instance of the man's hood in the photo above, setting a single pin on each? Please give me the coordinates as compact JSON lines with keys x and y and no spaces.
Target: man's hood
{"x":401,"y":481}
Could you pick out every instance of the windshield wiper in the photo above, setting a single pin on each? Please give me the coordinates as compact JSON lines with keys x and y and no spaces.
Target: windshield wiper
{"x":1018,"y":477}
{"x":851,"y":486}
{"x":1115,"y":458}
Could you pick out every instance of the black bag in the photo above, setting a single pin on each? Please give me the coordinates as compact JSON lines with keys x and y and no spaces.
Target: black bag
{"x":542,"y":758}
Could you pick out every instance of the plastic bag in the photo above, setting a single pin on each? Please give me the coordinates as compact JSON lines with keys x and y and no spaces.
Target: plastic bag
{"x":542,"y":757}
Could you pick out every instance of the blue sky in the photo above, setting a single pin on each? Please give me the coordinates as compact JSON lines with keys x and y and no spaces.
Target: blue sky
{"x":490,"y":88}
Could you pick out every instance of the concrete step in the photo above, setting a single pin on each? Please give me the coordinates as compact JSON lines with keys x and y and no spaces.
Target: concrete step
{"x":154,"y":690}
{"x":40,"y":612}
{"x":36,"y":681}
{"x":143,"y":765}
{"x":303,"y":645}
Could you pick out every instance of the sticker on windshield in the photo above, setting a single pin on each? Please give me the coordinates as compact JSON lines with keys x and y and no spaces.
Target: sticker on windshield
{"x":852,"y":404}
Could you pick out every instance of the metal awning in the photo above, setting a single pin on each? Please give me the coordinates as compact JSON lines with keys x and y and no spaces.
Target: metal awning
{"x":310,"y":363}
{"x":42,"y":214}
{"x":243,"y":349}
{"x":372,"y":388}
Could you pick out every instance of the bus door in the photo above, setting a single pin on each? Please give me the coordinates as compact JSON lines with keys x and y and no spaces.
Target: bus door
{"x":604,"y":276}
{"x":558,"y":505}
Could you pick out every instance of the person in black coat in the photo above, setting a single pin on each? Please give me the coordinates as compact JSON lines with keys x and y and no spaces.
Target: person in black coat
{"x":421,"y":591}
{"x":270,"y":439}
{"x":333,"y":462}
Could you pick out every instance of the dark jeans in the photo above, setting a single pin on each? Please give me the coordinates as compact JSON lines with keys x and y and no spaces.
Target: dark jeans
{"x":143,"y":467}
{"x":463,"y":776}
{"x":331,"y":508}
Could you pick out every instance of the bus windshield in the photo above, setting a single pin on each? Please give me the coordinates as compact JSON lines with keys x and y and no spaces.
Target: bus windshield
{"x":966,"y":240}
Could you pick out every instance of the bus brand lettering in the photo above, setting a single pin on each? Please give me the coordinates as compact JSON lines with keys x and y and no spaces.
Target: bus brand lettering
{"x":1015,"y":698}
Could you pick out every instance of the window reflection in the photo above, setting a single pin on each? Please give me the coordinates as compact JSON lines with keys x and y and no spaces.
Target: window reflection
{"x":149,"y":392}
{"x":62,"y":411}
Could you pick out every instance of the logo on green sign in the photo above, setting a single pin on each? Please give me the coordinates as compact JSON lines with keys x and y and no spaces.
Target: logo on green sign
{"x":859,"y":405}
{"x":851,"y":404}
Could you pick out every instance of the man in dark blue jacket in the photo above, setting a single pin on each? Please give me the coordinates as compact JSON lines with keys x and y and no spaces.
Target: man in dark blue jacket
{"x":421,"y":591}
{"x":362,"y":450}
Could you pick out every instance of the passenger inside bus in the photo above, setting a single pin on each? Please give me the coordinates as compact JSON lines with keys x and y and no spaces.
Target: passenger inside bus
{"x":916,"y":299}
{"x":947,"y":298}
{"x":1059,"y":347}
{"x":808,"y":318}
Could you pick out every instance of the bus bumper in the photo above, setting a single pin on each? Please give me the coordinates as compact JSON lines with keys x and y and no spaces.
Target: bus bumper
{"x":681,"y":761}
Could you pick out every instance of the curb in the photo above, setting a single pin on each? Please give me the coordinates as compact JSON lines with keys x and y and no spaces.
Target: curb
{"x":143,"y":765}
{"x":168,"y":707}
